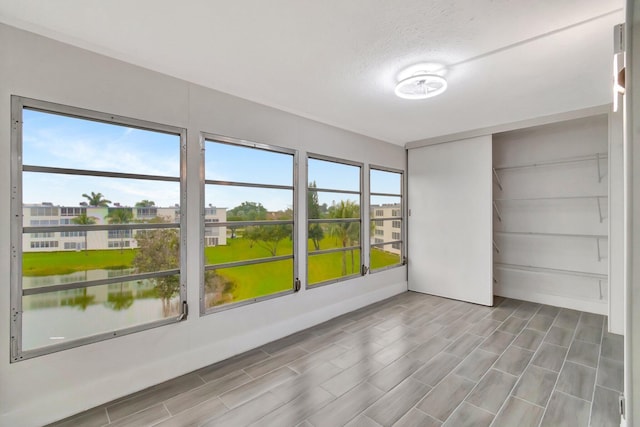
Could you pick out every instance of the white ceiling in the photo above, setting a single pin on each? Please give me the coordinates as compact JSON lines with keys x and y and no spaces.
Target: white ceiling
{"x":337,"y":61}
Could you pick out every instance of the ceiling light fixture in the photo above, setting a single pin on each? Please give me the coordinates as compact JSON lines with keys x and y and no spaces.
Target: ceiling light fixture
{"x":421,"y":85}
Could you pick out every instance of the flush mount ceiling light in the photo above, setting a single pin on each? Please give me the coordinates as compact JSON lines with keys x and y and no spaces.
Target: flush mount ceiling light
{"x":421,"y":85}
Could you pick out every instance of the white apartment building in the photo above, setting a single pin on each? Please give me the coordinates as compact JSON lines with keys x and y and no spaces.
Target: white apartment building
{"x":387,"y":230}
{"x":46,"y":214}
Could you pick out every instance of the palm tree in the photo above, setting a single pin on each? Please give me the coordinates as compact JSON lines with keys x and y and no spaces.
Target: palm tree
{"x":120,"y":216}
{"x":83,"y":219}
{"x":345,"y":232}
{"x":96,"y":200}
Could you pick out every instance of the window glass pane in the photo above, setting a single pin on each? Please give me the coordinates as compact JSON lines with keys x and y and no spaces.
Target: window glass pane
{"x":385,"y":206}
{"x":52,"y":196}
{"x":247,"y":282}
{"x":67,"y":142}
{"x":82,"y":256}
{"x":386,"y":255}
{"x":333,"y":235}
{"x":325,"y":267}
{"x":323,"y":204}
{"x":56,"y":317}
{"x":332,"y":175}
{"x":236,"y":163}
{"x":249,"y":204}
{"x":385,"y":182}
{"x":247,"y":242}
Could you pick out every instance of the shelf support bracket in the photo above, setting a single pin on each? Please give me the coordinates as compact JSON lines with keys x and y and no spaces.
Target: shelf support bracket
{"x":598,"y":163}
{"x":495,"y":207}
{"x":495,"y":246}
{"x":497,"y":179}
{"x":599,"y":209}
{"x":600,"y":288}
{"x":598,"y":246}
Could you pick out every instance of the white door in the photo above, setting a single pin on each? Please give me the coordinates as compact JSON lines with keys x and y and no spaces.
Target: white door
{"x":450,"y":220}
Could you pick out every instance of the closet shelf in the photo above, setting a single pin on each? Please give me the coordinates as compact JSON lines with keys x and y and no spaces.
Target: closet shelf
{"x":545,"y":270}
{"x":563,"y":161}
{"x":597,"y":197}
{"x":534,"y":233}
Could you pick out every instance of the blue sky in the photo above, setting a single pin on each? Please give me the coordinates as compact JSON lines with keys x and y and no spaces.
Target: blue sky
{"x":59,"y":141}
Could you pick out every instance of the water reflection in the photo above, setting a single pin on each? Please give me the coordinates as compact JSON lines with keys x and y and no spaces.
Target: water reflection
{"x":53,"y":317}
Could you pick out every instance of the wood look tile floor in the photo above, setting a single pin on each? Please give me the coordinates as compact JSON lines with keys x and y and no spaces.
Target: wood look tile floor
{"x":411,"y":360}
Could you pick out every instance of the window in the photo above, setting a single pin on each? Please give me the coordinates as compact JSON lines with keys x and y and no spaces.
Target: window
{"x":92,"y":170}
{"x":334,"y":223}
{"x":386,"y":202}
{"x":248,"y":222}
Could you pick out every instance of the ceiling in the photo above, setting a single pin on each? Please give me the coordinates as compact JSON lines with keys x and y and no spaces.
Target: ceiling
{"x":337,"y":61}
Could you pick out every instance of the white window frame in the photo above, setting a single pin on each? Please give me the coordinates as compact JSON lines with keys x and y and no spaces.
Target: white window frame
{"x":18,"y":104}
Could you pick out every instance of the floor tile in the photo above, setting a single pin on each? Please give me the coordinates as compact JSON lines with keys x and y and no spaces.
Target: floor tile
{"x":612,"y":346}
{"x":205,"y":392}
{"x":476,"y":364}
{"x":604,"y":412}
{"x":297,"y":385}
{"x":529,"y":339}
{"x":426,"y":351}
{"x":497,"y":342}
{"x":540,"y":322}
{"x":588,"y":333}
{"x":437,"y":368}
{"x":224,"y":368}
{"x":311,"y":360}
{"x":584,"y":353}
{"x":513,"y":325}
{"x":577,"y":380}
{"x":559,"y":336}
{"x":610,"y":374}
{"x":251,"y":390}
{"x":400,"y":348}
{"x":276,"y":361}
{"x":296,"y":410}
{"x":362,"y":421}
{"x":464,"y":345}
{"x":392,"y":375}
{"x":393,"y":405}
{"x":514,"y":360}
{"x":149,"y":416}
{"x":153,"y":395}
{"x":517,"y":412}
{"x":197,"y":414}
{"x":469,"y":416}
{"x":536,"y":385}
{"x":417,"y":418}
{"x":550,"y":357}
{"x":446,"y":396}
{"x":492,"y":391}
{"x":484,"y":327}
{"x":351,"y":377}
{"x":565,"y":410}
{"x":96,"y":417}
{"x":567,"y":319}
{"x":591,"y":319}
{"x":343,"y":410}
{"x":549,"y":310}
{"x":248,"y":412}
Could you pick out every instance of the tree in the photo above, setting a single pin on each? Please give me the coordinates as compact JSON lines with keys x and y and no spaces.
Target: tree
{"x":346,"y":232}
{"x":316,"y":233}
{"x":269,"y":236}
{"x":159,"y":250}
{"x":83,"y":219}
{"x":145,"y":203}
{"x":120,"y":216}
{"x":96,"y":200}
{"x":246,"y":211}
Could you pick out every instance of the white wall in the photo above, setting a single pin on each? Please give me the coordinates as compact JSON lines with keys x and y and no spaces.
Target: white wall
{"x":48,"y":388}
{"x":450,"y":252}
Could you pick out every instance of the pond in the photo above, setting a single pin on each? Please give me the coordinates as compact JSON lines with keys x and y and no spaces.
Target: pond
{"x":54,"y":317}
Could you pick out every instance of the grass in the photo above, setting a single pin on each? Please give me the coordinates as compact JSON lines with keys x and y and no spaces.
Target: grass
{"x":251,"y":281}
{"x":66,"y":262}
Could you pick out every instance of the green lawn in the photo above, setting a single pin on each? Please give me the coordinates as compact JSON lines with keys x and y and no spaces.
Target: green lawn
{"x":66,"y":262}
{"x":251,"y":281}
